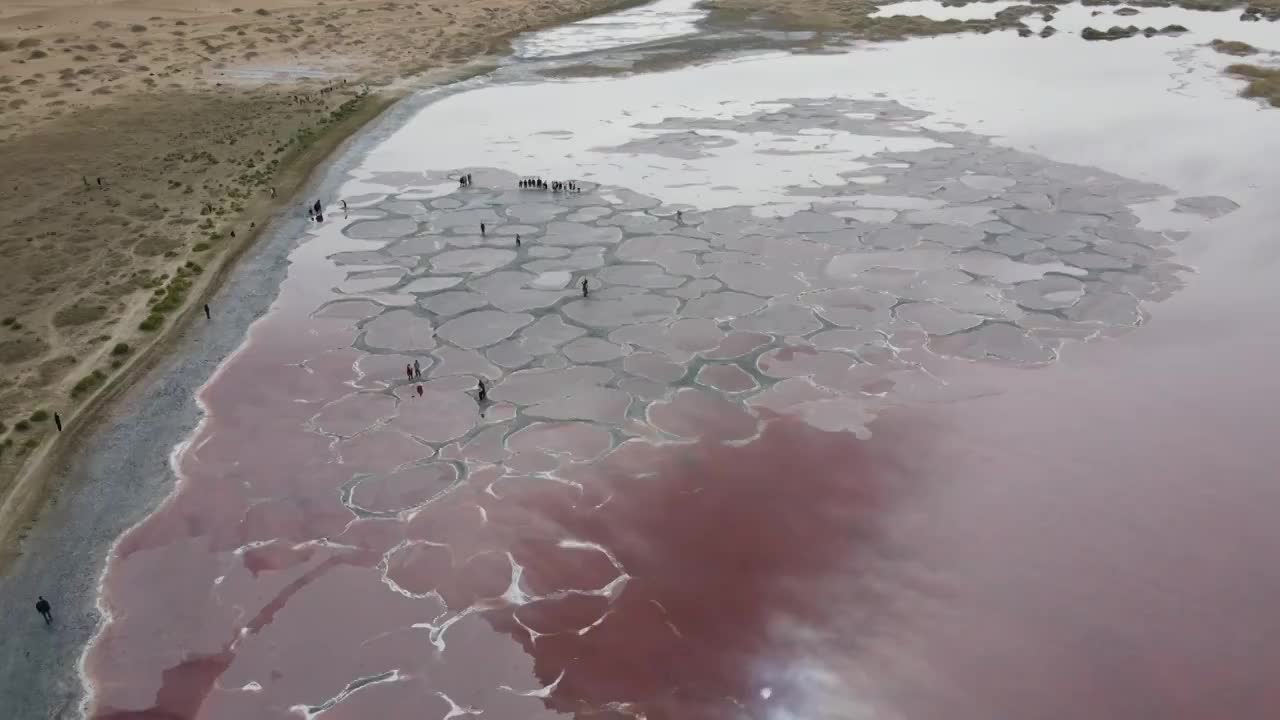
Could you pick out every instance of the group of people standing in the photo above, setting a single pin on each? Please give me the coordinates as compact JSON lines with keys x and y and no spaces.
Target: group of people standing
{"x":414,"y":372}
{"x":537,"y":183}
{"x":314,"y":212}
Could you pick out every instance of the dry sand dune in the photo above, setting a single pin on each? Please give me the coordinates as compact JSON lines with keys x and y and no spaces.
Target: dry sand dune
{"x":190,"y":112}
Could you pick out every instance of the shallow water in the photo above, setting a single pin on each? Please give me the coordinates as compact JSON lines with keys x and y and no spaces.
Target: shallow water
{"x":659,"y":20}
{"x":893,"y":397}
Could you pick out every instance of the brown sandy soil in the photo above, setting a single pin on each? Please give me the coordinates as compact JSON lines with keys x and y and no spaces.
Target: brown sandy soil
{"x":190,"y":112}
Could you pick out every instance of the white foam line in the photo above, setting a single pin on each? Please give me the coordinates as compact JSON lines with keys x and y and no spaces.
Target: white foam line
{"x":573,"y":544}
{"x":384,"y":566}
{"x":312,"y":711}
{"x":533,"y":634}
{"x":514,"y":594}
{"x":595,"y":624}
{"x":456,"y":710}
{"x":542,"y":692}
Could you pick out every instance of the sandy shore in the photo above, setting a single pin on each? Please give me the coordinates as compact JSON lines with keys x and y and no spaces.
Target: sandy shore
{"x":144,"y":143}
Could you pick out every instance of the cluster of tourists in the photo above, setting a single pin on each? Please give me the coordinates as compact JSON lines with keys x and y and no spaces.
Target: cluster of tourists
{"x":537,"y":183}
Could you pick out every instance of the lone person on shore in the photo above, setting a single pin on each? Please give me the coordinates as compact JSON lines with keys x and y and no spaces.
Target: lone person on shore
{"x":483,"y":391}
{"x":46,"y":612}
{"x":481,"y":228}
{"x":517,"y":239}
{"x":207,"y":314}
{"x":417,"y":370}
{"x":584,"y":287}
{"x":57,"y":420}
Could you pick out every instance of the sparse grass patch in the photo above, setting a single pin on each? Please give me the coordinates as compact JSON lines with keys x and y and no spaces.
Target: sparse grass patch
{"x":39,"y":416}
{"x":77,"y":314}
{"x":1233,"y":47}
{"x":87,"y":383}
{"x":22,"y":426}
{"x":152,"y":323}
{"x":1264,"y":82}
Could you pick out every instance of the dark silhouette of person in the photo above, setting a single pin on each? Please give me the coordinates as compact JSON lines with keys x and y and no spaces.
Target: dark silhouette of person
{"x":46,"y":612}
{"x":481,"y":228}
{"x":57,"y":420}
{"x":417,"y":372}
{"x":408,"y":371}
{"x":99,"y":182}
{"x":584,"y":287}
{"x":419,"y":391}
{"x":318,"y":207}
{"x":207,"y":315}
{"x":319,"y":217}
{"x":273,"y":192}
{"x":517,"y":239}
{"x":483,"y":391}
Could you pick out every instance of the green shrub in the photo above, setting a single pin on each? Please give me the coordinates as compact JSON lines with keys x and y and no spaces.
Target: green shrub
{"x":39,"y":416}
{"x":22,"y":426}
{"x":88,"y":383}
{"x":152,"y":323}
{"x":120,"y":349}
{"x":201,"y":247}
